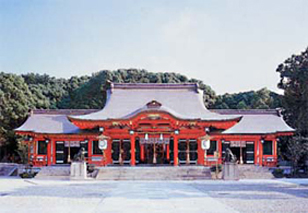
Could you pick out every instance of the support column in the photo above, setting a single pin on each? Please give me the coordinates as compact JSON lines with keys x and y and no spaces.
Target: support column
{"x":175,"y":151}
{"x":260,"y":153}
{"x":274,"y":141}
{"x":54,"y":151}
{"x":168,"y":151}
{"x":142,"y":152}
{"x":49,"y":152}
{"x":90,"y":150}
{"x":108,"y":159}
{"x":219,"y":149}
{"x":256,"y":152}
{"x":133,"y":150}
{"x":201,"y":153}
{"x":274,"y":147}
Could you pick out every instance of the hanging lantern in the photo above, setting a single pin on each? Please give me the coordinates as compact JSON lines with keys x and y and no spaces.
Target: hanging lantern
{"x":146,"y":137}
{"x":161,"y":137}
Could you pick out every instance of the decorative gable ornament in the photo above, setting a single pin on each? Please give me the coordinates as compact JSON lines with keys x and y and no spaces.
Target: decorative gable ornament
{"x":153,"y":104}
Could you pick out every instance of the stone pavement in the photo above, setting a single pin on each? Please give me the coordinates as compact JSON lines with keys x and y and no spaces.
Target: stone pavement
{"x":44,"y":196}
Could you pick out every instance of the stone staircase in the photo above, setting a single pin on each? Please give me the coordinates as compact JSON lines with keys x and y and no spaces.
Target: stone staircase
{"x":54,"y":172}
{"x":254,"y":172}
{"x":154,"y":173}
{"x":8,"y":169}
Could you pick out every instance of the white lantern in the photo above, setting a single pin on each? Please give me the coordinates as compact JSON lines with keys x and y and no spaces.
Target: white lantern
{"x":102,"y":144}
{"x":205,"y":144}
{"x":161,"y":137}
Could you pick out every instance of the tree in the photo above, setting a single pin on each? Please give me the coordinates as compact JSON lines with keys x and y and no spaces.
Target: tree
{"x":15,"y":101}
{"x":294,"y":81}
{"x":297,"y":148}
{"x":261,"y":99}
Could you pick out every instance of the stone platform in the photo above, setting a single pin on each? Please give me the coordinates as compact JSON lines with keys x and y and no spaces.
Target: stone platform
{"x":154,"y":173}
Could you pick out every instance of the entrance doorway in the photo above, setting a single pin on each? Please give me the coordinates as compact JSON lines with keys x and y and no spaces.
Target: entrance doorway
{"x":240,"y":154}
{"x":67,"y":150}
{"x":154,"y":154}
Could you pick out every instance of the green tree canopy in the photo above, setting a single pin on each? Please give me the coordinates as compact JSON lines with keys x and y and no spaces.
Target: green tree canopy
{"x":294,"y":82}
{"x":261,"y":99}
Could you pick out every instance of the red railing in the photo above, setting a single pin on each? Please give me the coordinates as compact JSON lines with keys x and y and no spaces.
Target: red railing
{"x":39,"y":160}
{"x":269,"y":161}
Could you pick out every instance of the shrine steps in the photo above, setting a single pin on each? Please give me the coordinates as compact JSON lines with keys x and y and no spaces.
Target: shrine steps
{"x":254,"y":172}
{"x":154,"y":173}
{"x":54,"y":172}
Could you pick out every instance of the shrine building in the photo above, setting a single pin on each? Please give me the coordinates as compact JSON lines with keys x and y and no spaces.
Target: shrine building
{"x":153,"y":124}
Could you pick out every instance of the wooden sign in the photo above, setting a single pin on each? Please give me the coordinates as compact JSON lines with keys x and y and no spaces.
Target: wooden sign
{"x":237,"y":143}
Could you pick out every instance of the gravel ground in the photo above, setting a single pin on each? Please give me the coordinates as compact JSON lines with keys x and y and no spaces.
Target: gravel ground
{"x":258,"y":196}
{"x":17,"y":195}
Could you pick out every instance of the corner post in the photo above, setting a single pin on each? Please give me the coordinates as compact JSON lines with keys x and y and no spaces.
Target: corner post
{"x":175,"y":151}
{"x":49,"y":152}
{"x":133,"y":150}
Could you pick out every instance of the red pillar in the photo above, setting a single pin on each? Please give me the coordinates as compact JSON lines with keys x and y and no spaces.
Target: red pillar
{"x":49,"y":152}
{"x":219,"y":149}
{"x":175,"y":151}
{"x":133,"y":150}
{"x":90,"y":150}
{"x":275,"y":149}
{"x":54,"y":151}
{"x":200,"y":153}
{"x":142,"y":152}
{"x":256,"y":152}
{"x":168,"y":152}
{"x":260,"y":152}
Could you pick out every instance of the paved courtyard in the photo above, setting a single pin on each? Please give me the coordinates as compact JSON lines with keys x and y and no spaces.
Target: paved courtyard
{"x":37,"y":196}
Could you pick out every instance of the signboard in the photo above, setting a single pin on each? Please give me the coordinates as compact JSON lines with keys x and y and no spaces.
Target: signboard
{"x":154,"y":140}
{"x":72,"y":143}
{"x":237,"y":143}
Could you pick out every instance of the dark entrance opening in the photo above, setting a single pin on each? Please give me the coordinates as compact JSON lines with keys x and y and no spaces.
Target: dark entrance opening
{"x":154,"y":154}
{"x":121,"y":151}
{"x":64,"y":151}
{"x":238,"y":153}
{"x":73,"y":152}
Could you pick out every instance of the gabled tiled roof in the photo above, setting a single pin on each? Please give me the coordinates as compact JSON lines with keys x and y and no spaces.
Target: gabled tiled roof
{"x":256,"y":121}
{"x":247,"y":111}
{"x":63,"y":111}
{"x":53,"y":124}
{"x":184,"y":101}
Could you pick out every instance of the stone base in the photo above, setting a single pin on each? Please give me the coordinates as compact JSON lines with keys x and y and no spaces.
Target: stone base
{"x":78,"y":170}
{"x":230,"y":171}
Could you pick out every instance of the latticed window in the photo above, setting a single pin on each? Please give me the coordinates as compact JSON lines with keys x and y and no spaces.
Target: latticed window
{"x":268,"y":148}
{"x":41,"y":147}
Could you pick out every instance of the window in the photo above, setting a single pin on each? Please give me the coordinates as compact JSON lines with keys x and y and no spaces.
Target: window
{"x":41,"y":147}
{"x":96,"y":150}
{"x":213,"y":148}
{"x":268,"y":148}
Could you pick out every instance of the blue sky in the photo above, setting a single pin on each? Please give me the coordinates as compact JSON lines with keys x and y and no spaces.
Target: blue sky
{"x":232,"y":45}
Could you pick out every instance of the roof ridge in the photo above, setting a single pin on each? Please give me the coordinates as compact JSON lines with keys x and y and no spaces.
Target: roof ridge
{"x":187,"y":85}
{"x":62,"y":111}
{"x":247,"y":111}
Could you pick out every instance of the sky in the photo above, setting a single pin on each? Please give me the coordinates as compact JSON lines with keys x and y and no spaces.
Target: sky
{"x":231,"y":45}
